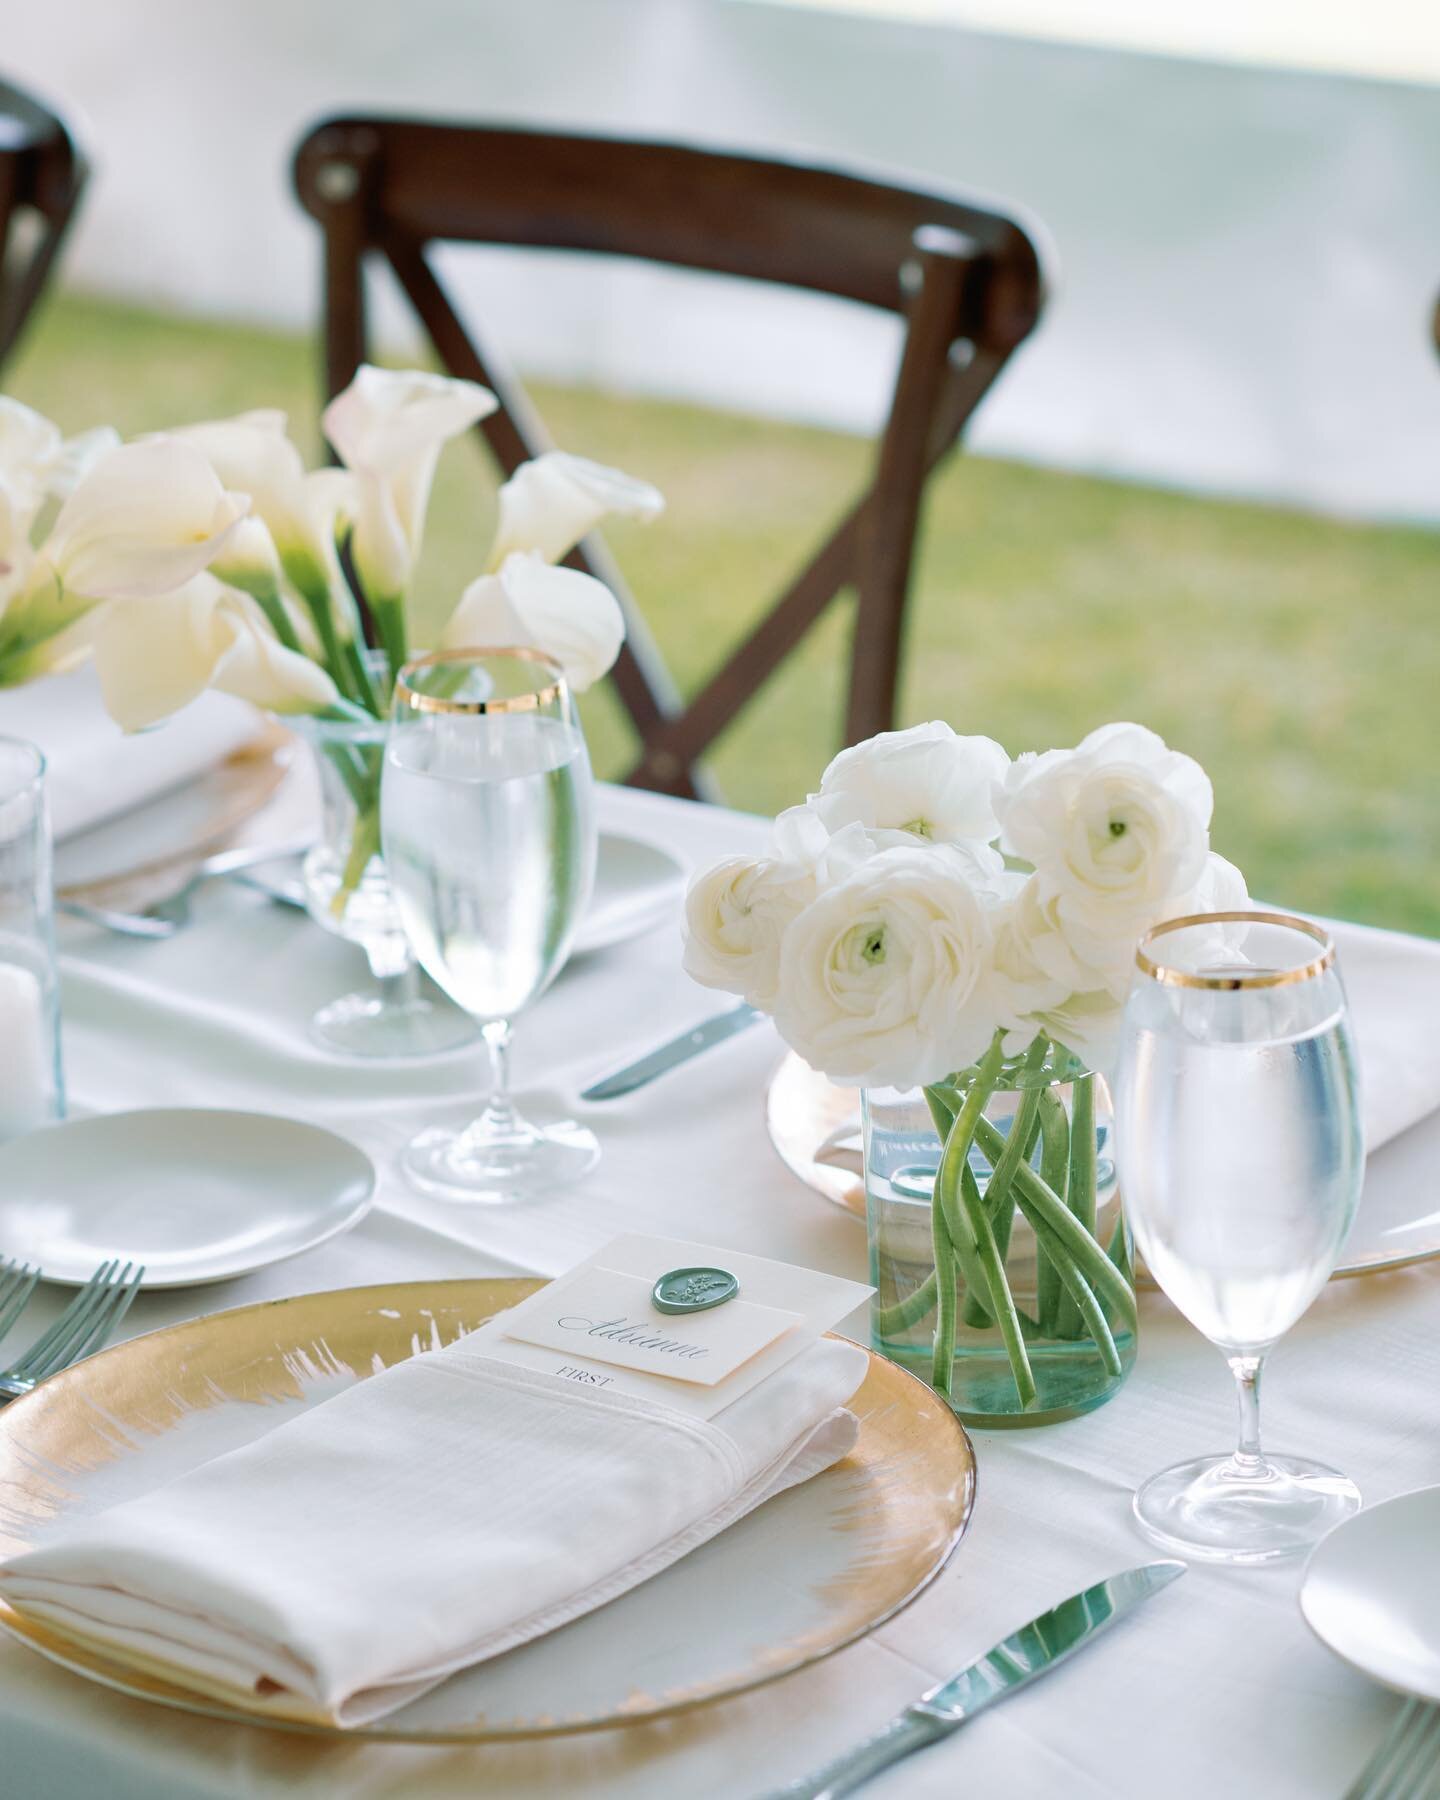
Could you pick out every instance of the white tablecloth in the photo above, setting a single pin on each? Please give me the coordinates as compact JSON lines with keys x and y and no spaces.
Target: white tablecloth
{"x":1216,"y":1687}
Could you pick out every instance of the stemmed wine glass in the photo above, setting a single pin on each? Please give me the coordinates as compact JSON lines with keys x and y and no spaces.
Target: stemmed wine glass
{"x":488,"y":823}
{"x":1241,"y":1158}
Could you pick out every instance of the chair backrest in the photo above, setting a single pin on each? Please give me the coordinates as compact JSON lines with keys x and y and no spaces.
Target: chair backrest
{"x":966,"y":281}
{"x":42,"y":175}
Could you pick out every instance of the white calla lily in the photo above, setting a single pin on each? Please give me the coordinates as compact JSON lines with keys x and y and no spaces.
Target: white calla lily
{"x":529,"y":603}
{"x":36,"y":465}
{"x":253,"y":453}
{"x":157,"y":655}
{"x":388,"y":428}
{"x":142,"y":521}
{"x":550,"y":503}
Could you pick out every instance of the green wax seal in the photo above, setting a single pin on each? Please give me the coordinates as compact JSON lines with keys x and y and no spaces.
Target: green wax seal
{"x":693,"y":1290}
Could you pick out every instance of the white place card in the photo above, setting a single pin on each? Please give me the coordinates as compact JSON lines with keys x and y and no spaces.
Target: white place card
{"x":780,"y":1310}
{"x":608,"y":1317}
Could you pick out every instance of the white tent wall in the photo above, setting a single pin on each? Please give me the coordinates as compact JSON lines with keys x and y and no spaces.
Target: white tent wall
{"x":1247,"y":257}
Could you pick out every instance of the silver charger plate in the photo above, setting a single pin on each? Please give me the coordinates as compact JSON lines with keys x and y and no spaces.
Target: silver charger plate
{"x":196,"y":1195}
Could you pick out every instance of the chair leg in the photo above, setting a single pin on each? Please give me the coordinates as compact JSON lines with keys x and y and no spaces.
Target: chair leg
{"x":945,"y":261}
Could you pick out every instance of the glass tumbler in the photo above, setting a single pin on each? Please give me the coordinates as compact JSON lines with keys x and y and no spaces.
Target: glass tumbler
{"x":32,"y":1090}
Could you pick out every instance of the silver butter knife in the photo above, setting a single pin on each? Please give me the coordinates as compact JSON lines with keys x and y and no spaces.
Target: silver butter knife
{"x":1029,"y":1652}
{"x":670,"y":1056}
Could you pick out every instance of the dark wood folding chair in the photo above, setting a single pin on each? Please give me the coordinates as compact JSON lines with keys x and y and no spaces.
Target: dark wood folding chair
{"x":42,"y":175}
{"x":967,"y":282}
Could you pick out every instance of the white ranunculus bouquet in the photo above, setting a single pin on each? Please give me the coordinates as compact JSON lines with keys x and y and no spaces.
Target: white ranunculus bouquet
{"x":209,"y":556}
{"x":940,"y":917}
{"x":934,"y":894}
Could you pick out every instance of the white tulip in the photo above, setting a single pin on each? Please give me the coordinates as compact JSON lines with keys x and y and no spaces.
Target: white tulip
{"x":925,"y":783}
{"x":568,"y":615}
{"x":388,"y":428}
{"x":1113,"y":828}
{"x":155,"y":656}
{"x":143,"y":520}
{"x":550,"y":503}
{"x":884,"y":976}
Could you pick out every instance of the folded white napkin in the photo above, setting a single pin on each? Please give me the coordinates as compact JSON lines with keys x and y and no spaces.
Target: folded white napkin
{"x":447,"y":1509}
{"x":1392,"y":981}
{"x":95,"y":771}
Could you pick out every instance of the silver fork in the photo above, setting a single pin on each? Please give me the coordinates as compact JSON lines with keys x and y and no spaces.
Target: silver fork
{"x":82,"y":1328}
{"x":17,"y":1284}
{"x":1407,"y":1764}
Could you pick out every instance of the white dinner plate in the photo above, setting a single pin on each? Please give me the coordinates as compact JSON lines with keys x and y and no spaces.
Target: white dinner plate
{"x":145,"y":854}
{"x":637,"y":884}
{"x":195,"y":1195}
{"x":1371,"y":1593}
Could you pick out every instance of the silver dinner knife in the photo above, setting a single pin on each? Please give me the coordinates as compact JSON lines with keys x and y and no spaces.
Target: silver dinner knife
{"x":670,"y":1056}
{"x":1029,"y":1652}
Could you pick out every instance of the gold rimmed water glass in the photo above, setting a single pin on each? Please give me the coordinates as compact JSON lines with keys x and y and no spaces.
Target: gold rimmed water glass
{"x":488,"y":824}
{"x":1241,"y":1157}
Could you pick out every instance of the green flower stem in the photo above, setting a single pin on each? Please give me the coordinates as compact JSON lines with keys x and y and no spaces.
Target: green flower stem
{"x":942,"y":1359}
{"x":364,"y":843}
{"x":1054,"y":1168}
{"x":1037,"y":1199}
{"x":366,"y":691}
{"x":389,"y":617}
{"x":954,"y":1158}
{"x":1089,"y":1308}
{"x":1002,"y":1301}
{"x":998,"y":1204}
{"x":907,"y":1312}
{"x":1080,"y":1194}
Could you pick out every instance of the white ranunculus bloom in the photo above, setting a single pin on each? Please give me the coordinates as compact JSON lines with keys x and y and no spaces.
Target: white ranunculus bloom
{"x":528,"y":603}
{"x":388,"y":428}
{"x":735,"y":914}
{"x":926,"y":782}
{"x":550,"y":503}
{"x":884,"y":976}
{"x":142,"y":521}
{"x":154,"y":656}
{"x":1113,"y":828}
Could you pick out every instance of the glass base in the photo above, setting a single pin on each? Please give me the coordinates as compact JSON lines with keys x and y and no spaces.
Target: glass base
{"x":1070,"y":1379}
{"x":495,"y":1167}
{"x":1218,"y":1509}
{"x":371,"y":1025}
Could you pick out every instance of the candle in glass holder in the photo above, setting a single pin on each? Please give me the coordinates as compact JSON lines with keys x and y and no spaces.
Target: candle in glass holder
{"x":26,"y":1061}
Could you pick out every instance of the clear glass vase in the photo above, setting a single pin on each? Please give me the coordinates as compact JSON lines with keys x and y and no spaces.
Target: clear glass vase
{"x":1061,"y":1355}
{"x":348,"y":893}
{"x":32,"y":1088}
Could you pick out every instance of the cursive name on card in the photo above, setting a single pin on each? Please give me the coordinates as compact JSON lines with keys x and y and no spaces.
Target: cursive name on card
{"x":607,"y":1316}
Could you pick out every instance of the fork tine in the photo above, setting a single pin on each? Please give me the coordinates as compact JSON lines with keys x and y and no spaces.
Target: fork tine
{"x":15,"y":1295}
{"x":64,"y":1330}
{"x":70,"y":1347}
{"x":1389,"y":1755}
{"x":1416,"y":1777}
{"x":117,"y":1304}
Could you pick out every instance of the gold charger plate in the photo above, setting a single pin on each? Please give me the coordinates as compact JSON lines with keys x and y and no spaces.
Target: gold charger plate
{"x":815,"y":1128}
{"x":809,"y":1572}
{"x":148,"y":853}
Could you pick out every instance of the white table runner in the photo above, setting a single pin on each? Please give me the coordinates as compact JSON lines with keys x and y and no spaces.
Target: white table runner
{"x":1216,"y":1687}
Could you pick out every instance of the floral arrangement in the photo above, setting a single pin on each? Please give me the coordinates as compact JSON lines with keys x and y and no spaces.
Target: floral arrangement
{"x":209,"y":556}
{"x":938,"y":916}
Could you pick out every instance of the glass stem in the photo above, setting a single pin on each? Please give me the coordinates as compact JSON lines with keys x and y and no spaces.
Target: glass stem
{"x":499,"y":1118}
{"x":1248,"y":1459}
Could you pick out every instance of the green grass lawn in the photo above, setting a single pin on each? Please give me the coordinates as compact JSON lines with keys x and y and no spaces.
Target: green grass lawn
{"x":1298,"y":657}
